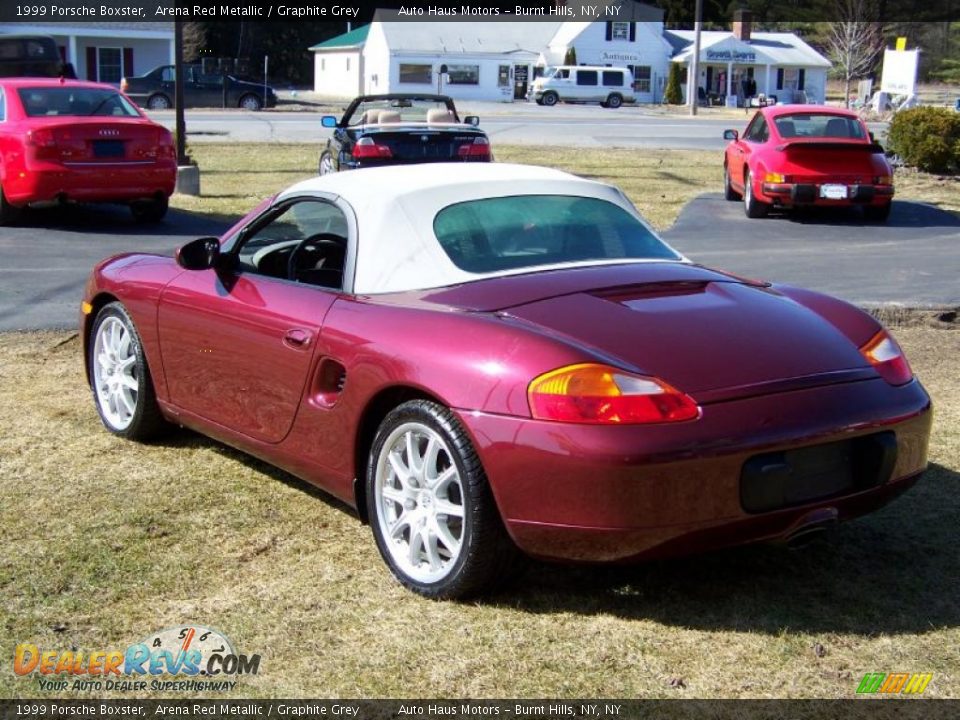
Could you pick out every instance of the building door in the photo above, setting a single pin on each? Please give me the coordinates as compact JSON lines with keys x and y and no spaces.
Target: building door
{"x":520,"y":81}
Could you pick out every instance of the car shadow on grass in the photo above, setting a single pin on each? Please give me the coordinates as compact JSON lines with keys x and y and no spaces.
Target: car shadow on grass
{"x":892,"y":572}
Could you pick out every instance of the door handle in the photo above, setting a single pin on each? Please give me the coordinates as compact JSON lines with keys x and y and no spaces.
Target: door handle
{"x":297,"y":338}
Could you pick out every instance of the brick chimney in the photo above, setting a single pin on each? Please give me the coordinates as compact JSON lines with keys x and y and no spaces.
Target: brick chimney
{"x":742,"y":24}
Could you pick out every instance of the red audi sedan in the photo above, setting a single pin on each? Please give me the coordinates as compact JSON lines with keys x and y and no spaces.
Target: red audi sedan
{"x":73,"y":141}
{"x":795,"y":155}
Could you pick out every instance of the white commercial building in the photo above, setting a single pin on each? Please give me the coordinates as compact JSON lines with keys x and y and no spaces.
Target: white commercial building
{"x":498,"y":60}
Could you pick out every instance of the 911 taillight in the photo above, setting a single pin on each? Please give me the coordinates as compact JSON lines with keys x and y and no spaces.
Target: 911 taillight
{"x":603,"y":395}
{"x":367,"y":148}
{"x":883,"y":352}
{"x":479,"y":149}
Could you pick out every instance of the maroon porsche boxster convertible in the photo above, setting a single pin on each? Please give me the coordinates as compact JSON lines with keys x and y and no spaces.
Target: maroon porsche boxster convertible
{"x":494,"y":360}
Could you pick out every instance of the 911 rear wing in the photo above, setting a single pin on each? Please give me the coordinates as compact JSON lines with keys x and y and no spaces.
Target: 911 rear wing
{"x":831,"y":145}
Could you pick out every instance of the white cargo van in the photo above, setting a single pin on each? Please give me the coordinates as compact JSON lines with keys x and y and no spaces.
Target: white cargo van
{"x":609,"y":86}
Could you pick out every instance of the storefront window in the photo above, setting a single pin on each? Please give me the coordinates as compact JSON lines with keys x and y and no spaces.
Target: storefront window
{"x":416,"y":74}
{"x":503,"y":76}
{"x":464,"y":74}
{"x":641,"y":78}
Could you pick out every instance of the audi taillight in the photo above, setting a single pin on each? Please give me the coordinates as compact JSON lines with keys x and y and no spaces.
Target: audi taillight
{"x":479,"y":148}
{"x":603,"y":395}
{"x":883,"y":352}
{"x":367,"y":148}
{"x":44,"y":143}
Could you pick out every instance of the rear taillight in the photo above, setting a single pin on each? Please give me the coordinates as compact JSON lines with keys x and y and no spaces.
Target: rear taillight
{"x":44,"y":143}
{"x":603,"y":395}
{"x":124,"y":85}
{"x":367,"y":148}
{"x":479,"y":148}
{"x":883,"y":352}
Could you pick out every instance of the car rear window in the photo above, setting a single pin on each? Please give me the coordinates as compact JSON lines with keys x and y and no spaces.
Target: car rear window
{"x":819,"y":125}
{"x":74,"y":101}
{"x":494,"y":234}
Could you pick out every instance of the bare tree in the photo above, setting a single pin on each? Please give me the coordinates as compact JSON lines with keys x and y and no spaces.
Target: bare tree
{"x":854,"y":43}
{"x":194,"y":40}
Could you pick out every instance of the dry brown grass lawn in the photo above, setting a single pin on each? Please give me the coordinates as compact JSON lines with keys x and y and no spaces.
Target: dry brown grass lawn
{"x":108,"y":541}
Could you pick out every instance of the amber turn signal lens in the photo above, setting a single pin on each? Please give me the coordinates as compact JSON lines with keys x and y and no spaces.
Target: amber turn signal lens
{"x":599,"y":394}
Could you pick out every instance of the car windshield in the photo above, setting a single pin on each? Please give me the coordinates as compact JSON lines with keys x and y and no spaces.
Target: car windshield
{"x":819,"y":125}
{"x":490,"y":235}
{"x":67,"y":101}
{"x":395,"y":110}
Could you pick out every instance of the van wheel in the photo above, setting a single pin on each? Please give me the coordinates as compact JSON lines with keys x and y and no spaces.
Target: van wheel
{"x":614,"y":101}
{"x":550,"y":99}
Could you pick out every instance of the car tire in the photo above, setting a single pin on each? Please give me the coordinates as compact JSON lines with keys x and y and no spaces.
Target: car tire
{"x":433,"y":515}
{"x":615,"y":100}
{"x":728,"y":192}
{"x":250,"y":102}
{"x":9,"y":214}
{"x":149,"y":211}
{"x":877,"y":213}
{"x":159,"y":102}
{"x":120,"y":377}
{"x":752,"y":207}
{"x":550,"y":99}
{"x":326,"y":165}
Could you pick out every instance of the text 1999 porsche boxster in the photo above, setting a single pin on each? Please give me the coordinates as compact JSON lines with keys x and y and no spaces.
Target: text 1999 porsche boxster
{"x":494,"y":360}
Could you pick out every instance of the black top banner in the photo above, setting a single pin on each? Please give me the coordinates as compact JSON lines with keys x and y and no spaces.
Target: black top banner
{"x":361,"y":12}
{"x":521,"y":709}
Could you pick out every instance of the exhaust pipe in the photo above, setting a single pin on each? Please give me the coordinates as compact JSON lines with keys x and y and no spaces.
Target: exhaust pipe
{"x":810,"y":528}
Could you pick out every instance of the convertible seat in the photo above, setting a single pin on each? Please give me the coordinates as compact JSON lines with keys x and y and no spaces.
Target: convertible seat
{"x":388,"y":116}
{"x":440,"y":115}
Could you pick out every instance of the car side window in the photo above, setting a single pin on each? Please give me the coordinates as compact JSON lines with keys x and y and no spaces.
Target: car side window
{"x":757,"y":131}
{"x":612,"y":79}
{"x":167,"y":75}
{"x":305,"y":240}
{"x":586,"y":77}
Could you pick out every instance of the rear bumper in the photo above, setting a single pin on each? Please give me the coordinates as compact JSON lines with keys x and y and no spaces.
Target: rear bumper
{"x":100,"y":182}
{"x":608,"y":494}
{"x":794,"y":194}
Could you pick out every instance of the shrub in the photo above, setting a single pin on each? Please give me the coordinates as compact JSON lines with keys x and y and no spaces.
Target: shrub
{"x":927,"y":138}
{"x":672,"y":94}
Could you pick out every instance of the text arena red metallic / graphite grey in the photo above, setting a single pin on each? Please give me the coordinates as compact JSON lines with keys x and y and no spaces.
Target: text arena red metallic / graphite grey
{"x":489,"y":360}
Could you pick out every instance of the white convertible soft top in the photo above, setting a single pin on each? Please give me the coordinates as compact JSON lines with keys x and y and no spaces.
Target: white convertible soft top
{"x":395,"y":207}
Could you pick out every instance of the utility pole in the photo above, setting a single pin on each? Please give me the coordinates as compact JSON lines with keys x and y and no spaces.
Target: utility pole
{"x":693,"y":80}
{"x":181,"y":125}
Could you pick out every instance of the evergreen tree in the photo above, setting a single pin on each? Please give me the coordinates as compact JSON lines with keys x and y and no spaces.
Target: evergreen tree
{"x":673,"y":94}
{"x":571,"y":57}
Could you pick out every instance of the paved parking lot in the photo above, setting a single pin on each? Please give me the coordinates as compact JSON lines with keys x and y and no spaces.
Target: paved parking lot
{"x":914,"y":260}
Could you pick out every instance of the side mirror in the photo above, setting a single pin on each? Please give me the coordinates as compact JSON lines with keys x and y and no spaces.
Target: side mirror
{"x":328,"y":121}
{"x":200,"y":254}
{"x":472,"y":120}
{"x":731,"y":135}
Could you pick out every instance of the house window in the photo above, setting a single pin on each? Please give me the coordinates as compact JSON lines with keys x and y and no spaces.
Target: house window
{"x":463,"y":74}
{"x":416,"y":74}
{"x":620,"y":31}
{"x":641,"y":78}
{"x":503,"y":76}
{"x":779,"y":78}
{"x":109,"y":65}
{"x":801,"y":78}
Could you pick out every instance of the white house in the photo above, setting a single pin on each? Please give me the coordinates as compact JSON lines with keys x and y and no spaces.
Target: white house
{"x":780,"y":65}
{"x":338,"y":64}
{"x":497,"y":60}
{"x":106,"y":51}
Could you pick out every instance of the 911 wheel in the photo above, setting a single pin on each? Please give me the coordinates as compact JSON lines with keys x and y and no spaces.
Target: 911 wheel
{"x":728,"y":192}
{"x":752,"y":207}
{"x":430,"y":506}
{"x":120,"y":378}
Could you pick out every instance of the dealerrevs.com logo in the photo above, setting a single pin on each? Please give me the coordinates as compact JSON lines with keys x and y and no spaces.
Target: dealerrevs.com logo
{"x":200,"y":658}
{"x":894,"y":683}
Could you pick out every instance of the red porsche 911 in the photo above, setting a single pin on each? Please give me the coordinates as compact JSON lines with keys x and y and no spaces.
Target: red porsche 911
{"x":68,"y":140}
{"x":796,"y":155}
{"x":487,"y":360}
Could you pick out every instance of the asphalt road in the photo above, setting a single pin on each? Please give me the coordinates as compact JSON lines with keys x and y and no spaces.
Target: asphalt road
{"x":913,"y":260}
{"x":522,"y":124}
